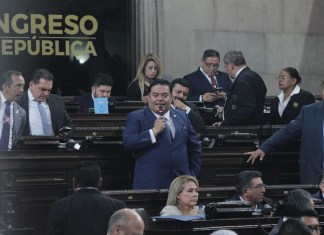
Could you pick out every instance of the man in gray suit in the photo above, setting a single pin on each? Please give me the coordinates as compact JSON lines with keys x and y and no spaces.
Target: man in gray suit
{"x":13,"y":117}
{"x":308,"y":126}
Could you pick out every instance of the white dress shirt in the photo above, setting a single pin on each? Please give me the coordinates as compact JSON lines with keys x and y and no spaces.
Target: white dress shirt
{"x":35,"y":120}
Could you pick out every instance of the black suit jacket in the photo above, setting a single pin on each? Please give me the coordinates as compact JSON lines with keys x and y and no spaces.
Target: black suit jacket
{"x":134,"y":92}
{"x":296,"y":102}
{"x":199,"y":85}
{"x":85,"y":102}
{"x":86,"y":211}
{"x":59,"y":115}
{"x":195,"y":118}
{"x":244,"y":105}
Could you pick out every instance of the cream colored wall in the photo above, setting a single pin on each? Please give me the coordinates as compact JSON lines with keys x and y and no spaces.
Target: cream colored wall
{"x":272,"y":34}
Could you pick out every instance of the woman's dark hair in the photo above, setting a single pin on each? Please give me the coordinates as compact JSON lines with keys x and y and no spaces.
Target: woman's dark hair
{"x":293,"y":73}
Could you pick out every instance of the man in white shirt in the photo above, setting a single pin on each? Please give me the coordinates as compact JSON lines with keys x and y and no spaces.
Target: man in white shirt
{"x":46,"y":113}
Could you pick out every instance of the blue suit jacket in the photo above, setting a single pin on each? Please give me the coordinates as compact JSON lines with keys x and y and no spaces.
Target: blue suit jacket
{"x":309,"y":127}
{"x":199,"y":85}
{"x":159,"y":163}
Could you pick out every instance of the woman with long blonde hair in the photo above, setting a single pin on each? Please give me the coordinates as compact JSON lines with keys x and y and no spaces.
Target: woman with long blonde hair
{"x":149,"y":68}
{"x":182,"y":197}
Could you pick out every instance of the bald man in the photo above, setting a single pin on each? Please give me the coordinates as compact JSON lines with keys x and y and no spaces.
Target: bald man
{"x":126,"y":221}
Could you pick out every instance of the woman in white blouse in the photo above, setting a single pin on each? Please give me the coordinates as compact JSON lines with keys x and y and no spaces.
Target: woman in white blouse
{"x":287,"y":105}
{"x":182,"y":197}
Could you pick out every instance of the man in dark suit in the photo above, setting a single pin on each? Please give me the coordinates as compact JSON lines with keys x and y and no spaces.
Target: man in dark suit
{"x":164,"y":142}
{"x":46,"y":113}
{"x":87,"y":210}
{"x":308,"y":126}
{"x":179,"y":93}
{"x":12,"y":125}
{"x":206,"y":82}
{"x":250,"y":188}
{"x":101,"y":88}
{"x":244,"y":104}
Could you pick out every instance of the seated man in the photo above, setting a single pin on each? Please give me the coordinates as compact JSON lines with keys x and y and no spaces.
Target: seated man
{"x":179,"y":92}
{"x":46,"y":113}
{"x":250,"y":188}
{"x":87,"y":210}
{"x":101,"y":87}
{"x":126,"y":221}
{"x":319,"y":194}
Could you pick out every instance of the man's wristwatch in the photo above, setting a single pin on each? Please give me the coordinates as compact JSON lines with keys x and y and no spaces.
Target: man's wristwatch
{"x":187,"y":108}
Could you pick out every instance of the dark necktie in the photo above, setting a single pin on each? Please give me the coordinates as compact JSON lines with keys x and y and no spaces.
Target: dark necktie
{"x":4,"y":142}
{"x":46,"y":126}
{"x":168,"y":132}
{"x":213,"y":81}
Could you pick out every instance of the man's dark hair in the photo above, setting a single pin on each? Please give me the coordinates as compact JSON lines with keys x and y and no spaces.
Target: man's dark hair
{"x":294,"y":226}
{"x":87,"y":174}
{"x":244,"y":179}
{"x":295,"y":202}
{"x":181,"y":81}
{"x":103,"y":79}
{"x":6,"y":78}
{"x":41,"y":73}
{"x":210,"y":53}
{"x":161,"y":82}
{"x":307,"y":212}
{"x":234,"y":57}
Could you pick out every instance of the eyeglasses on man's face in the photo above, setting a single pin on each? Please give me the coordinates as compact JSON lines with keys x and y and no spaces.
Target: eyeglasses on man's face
{"x":313,"y":228}
{"x":211,"y":65}
{"x":258,"y":187}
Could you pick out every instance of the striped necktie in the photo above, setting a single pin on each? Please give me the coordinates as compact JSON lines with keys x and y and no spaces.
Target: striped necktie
{"x":47,"y":129}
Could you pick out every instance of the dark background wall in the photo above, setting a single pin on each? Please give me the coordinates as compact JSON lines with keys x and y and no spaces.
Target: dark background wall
{"x":112,"y":44}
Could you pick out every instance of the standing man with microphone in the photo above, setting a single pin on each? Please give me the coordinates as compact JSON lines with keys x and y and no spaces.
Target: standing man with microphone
{"x":162,"y":140}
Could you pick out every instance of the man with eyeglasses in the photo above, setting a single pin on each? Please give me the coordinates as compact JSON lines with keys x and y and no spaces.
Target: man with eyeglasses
{"x":250,"y":188}
{"x":207,"y":84}
{"x":46,"y":113}
{"x":162,"y":139}
{"x":310,"y":218}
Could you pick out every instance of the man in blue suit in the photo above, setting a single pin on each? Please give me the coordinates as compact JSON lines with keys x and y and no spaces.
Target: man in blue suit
{"x":163,"y":140}
{"x":309,"y":127}
{"x":207,"y":84}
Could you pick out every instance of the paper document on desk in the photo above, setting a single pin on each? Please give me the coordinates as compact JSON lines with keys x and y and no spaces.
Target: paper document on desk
{"x":101,"y":105}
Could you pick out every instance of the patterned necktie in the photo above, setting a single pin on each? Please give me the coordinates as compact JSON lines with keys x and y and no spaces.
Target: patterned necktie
{"x":4,"y":142}
{"x":46,"y":126}
{"x":167,"y":131}
{"x":213,"y":82}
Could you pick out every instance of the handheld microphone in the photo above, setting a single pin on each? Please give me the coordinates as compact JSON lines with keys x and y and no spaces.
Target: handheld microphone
{"x":160,"y":110}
